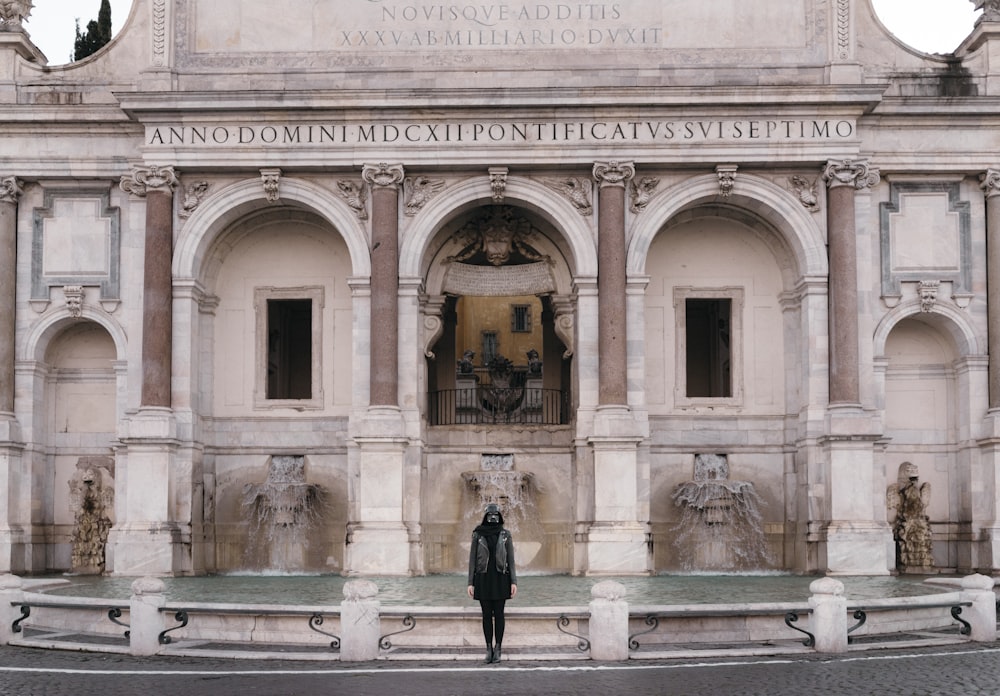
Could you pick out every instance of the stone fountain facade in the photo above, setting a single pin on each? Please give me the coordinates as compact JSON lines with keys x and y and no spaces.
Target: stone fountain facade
{"x":758,"y":234}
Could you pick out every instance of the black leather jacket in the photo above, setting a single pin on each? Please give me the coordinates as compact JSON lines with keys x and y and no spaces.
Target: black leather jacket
{"x":479,"y":556}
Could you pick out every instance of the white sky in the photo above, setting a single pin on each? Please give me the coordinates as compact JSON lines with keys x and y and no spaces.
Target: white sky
{"x":936,"y":26}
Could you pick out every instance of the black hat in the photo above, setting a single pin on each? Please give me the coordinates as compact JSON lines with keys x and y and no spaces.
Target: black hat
{"x":492,"y":507}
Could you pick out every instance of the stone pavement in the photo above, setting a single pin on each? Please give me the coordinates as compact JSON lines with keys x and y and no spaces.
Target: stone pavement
{"x":967,"y":669}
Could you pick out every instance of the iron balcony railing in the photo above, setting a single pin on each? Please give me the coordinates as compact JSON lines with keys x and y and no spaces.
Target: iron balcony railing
{"x":498,"y":405}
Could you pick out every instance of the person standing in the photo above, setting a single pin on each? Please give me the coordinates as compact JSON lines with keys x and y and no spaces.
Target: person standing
{"x":492,"y":576}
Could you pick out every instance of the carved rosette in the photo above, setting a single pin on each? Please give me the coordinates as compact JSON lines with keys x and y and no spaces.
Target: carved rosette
{"x":727,"y":179}
{"x":382,"y":175}
{"x":989,"y":181}
{"x":857,"y":173}
{"x":419,"y":190}
{"x":576,"y":190}
{"x":271,"y":178}
{"x":142,"y":180}
{"x":11,"y":189}
{"x":498,"y":183}
{"x":613,"y":173}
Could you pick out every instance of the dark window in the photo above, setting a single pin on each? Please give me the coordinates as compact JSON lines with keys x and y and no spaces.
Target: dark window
{"x":289,"y":349}
{"x":520,"y":318}
{"x":491,"y":346}
{"x":709,"y":357}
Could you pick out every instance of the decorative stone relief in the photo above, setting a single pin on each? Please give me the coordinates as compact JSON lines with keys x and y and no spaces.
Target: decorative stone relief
{"x":11,"y":189}
{"x":382,"y":174}
{"x":641,"y":192}
{"x":356,"y":196}
{"x":990,"y":8}
{"x":576,"y":190}
{"x":498,"y":183}
{"x":928,"y":291}
{"x":193,"y":195}
{"x":159,"y":32}
{"x":419,"y":190}
{"x":565,"y":324}
{"x":857,"y":173}
{"x":805,"y":190}
{"x":13,"y":13}
{"x":613,"y":173}
{"x":497,"y":235}
{"x":271,"y":178}
{"x":91,"y":500}
{"x":74,"y":299}
{"x":843,"y":29}
{"x":727,"y":179}
{"x":907,"y":501}
{"x":925,"y":237}
{"x":145,"y":179}
{"x":989,"y":181}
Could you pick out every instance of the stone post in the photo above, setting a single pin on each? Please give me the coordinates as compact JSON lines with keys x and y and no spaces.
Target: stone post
{"x":360,"y":626}
{"x":612,"y":178}
{"x":844,"y":178}
{"x":10,"y":192}
{"x":11,"y":597}
{"x":384,"y":180}
{"x":829,"y":615}
{"x":982,"y":615}
{"x":156,"y":185}
{"x":608,"y":622}
{"x":145,"y":618}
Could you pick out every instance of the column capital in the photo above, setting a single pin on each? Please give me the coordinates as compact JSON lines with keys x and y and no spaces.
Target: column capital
{"x":613,"y":173}
{"x":10,"y":189}
{"x":846,"y":172}
{"x":383,"y":175}
{"x":142,"y":180}
{"x":989,"y":181}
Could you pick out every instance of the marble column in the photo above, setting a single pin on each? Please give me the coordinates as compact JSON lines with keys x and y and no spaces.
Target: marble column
{"x":612,"y":178}
{"x":384,"y":180}
{"x":156,"y":185}
{"x":15,"y":484}
{"x":857,"y":538}
{"x":987,"y":554}
{"x":991,"y":189}
{"x":844,"y":178}
{"x":152,"y":535}
{"x":10,"y":192}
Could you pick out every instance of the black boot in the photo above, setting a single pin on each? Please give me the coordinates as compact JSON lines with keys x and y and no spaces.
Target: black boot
{"x":496,"y":653}
{"x":489,"y":655}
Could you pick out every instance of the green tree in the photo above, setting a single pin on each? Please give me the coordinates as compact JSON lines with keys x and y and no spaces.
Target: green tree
{"x":97,"y":35}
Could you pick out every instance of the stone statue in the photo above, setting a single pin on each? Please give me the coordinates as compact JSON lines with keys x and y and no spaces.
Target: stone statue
{"x":534,"y":364}
{"x":465,"y":366}
{"x":13,"y":13}
{"x":907,"y":501}
{"x":91,"y":500}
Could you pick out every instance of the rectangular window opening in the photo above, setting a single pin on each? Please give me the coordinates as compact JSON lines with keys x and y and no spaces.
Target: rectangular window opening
{"x":520,"y":318}
{"x":709,"y":355}
{"x":289,"y":349}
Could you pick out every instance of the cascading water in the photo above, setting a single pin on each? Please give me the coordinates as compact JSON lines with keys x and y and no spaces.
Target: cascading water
{"x":514,"y":491}
{"x":281,"y":512}
{"x":720,"y":526}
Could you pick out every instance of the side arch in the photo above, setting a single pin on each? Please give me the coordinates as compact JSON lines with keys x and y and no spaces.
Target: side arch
{"x":577,"y":229}
{"x":952,"y":321}
{"x":36,"y":341}
{"x":759,"y":196}
{"x":219,"y":211}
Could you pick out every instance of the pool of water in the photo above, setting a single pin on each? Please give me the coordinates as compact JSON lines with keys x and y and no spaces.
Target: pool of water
{"x":533,"y":590}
